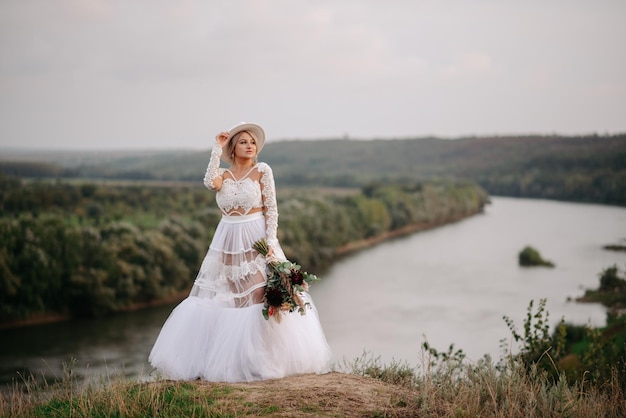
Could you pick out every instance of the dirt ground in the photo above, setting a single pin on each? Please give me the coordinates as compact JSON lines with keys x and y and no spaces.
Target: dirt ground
{"x":329,"y":395}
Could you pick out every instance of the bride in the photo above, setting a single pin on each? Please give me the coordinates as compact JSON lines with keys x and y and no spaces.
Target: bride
{"x":219,"y":333}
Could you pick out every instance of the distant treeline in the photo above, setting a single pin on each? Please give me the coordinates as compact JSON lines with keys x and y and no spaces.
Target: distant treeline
{"x":583,"y":169}
{"x":589,"y":168}
{"x":92,"y":249}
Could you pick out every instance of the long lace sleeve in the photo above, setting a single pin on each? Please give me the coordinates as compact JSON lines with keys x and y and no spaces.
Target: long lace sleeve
{"x":269,"y":202}
{"x":213,"y":169}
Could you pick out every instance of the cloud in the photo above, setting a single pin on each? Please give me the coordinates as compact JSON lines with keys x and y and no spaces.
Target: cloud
{"x":87,"y":10}
{"x":470,"y":64}
{"x":160,"y":73}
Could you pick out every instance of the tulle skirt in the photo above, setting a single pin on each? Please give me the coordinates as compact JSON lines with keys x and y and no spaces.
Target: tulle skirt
{"x":219,"y":334}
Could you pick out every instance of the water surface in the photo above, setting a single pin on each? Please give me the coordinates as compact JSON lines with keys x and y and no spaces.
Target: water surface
{"x":454,"y":284}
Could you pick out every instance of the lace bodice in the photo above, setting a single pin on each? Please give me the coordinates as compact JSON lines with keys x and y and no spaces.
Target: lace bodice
{"x":239,"y":196}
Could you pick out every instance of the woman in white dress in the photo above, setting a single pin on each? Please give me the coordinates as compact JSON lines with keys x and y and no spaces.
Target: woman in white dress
{"x":219,"y":333}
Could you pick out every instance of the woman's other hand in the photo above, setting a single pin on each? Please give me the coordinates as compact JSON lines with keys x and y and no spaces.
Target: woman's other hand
{"x":222,"y":138}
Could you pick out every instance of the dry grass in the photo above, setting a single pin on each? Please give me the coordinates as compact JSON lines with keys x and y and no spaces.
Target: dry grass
{"x":333,"y":395}
{"x":369,"y":390}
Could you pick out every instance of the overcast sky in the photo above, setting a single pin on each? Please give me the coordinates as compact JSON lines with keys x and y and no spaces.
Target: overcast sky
{"x":108,"y":74}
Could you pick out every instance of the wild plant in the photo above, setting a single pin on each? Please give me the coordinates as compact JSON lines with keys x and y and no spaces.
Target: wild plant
{"x":538,"y":349}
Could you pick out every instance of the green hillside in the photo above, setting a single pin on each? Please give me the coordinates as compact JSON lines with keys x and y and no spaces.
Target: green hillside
{"x":581,"y":168}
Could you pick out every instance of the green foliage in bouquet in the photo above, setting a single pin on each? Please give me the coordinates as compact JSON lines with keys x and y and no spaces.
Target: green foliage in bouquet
{"x":285,"y":283}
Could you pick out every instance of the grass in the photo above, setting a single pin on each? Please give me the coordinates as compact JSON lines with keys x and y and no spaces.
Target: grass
{"x":456,"y":388}
{"x":365,"y":388}
{"x":122,"y":398}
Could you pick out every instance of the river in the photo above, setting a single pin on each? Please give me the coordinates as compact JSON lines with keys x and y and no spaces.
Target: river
{"x":448,"y":285}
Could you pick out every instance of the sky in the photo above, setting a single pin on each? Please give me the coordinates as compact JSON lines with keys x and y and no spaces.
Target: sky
{"x":137,"y":74}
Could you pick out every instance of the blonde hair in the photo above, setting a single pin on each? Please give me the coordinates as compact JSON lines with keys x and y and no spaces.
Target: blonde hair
{"x":233,"y":142}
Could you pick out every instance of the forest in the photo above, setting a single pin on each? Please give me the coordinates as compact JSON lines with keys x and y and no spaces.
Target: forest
{"x":90,"y":249}
{"x":587,"y":168}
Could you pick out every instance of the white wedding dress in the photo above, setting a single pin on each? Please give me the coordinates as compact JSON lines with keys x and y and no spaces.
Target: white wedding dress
{"x":218,"y":333}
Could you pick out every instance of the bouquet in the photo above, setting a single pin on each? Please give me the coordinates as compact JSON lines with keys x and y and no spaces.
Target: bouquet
{"x":285,"y":282}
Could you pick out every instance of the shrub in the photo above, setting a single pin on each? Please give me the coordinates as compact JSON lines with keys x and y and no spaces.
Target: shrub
{"x":530,"y":257}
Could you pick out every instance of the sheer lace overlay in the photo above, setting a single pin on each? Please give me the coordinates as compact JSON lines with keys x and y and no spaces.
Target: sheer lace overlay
{"x":232,"y":280}
{"x":233,"y":273}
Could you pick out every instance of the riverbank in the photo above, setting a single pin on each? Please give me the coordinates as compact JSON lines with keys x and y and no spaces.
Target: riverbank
{"x":400,"y":232}
{"x":352,"y":247}
{"x":48,"y":318}
{"x":92,"y":251}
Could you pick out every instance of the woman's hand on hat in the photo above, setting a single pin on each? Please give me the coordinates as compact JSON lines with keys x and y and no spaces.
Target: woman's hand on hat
{"x":222,"y":138}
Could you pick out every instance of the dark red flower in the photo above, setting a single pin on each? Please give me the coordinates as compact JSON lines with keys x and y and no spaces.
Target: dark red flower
{"x":273,"y":297}
{"x":296,"y":277}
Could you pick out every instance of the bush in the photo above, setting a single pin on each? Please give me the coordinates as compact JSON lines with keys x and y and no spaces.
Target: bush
{"x":611,"y":282}
{"x":530,"y":257}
